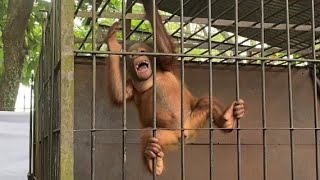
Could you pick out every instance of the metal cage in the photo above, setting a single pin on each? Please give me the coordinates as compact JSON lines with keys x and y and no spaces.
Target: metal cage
{"x":78,"y":135}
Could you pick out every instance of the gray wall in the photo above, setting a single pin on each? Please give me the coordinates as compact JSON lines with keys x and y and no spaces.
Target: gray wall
{"x":109,"y":143}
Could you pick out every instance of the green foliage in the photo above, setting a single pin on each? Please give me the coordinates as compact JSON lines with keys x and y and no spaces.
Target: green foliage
{"x":115,"y":5}
{"x":3,"y":16}
{"x":3,"y":12}
{"x":1,"y":62}
{"x":33,"y":40}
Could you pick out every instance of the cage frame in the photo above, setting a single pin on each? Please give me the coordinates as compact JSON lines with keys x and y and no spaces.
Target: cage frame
{"x":55,"y":79}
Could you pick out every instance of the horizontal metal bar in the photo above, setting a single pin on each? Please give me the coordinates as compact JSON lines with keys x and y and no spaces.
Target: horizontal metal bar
{"x":247,"y":144}
{"x":195,"y":55}
{"x":222,"y":46}
{"x":218,"y":22}
{"x":205,"y":129}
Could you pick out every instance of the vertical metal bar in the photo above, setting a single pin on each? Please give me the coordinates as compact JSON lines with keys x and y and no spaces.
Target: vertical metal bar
{"x":263,"y":74}
{"x":35,"y":128}
{"x":315,"y":89}
{"x":41,"y":77}
{"x":315,"y":101}
{"x":290,"y":91}
{"x":291,"y":121}
{"x":53,"y":56}
{"x":55,"y":48}
{"x":154,"y":81}
{"x":210,"y":92}
{"x":31,"y":139}
{"x":67,"y":90}
{"x":50,"y":92}
{"x":182,"y":91}
{"x":237,"y":86}
{"x":57,"y":79}
{"x":94,"y":73}
{"x":124,"y":115}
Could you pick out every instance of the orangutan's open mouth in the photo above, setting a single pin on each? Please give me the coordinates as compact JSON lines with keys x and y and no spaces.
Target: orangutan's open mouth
{"x":142,"y":66}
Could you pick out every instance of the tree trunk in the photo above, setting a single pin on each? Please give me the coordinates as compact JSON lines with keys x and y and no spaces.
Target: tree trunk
{"x":14,"y":52}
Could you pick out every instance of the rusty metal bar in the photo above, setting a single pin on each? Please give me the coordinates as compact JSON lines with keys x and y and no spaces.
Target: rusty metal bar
{"x":154,"y":130}
{"x":263,"y":75}
{"x":315,"y":89}
{"x":31,"y":135}
{"x":52,"y":51}
{"x":290,"y":92}
{"x":204,"y":129}
{"x":182,"y":91}
{"x":195,"y":55}
{"x":210,"y":93}
{"x":124,"y":89}
{"x":236,"y":51}
{"x":93,"y":102}
{"x":315,"y":107}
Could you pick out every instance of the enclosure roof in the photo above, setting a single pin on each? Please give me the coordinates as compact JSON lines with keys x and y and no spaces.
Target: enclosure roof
{"x":272,"y":32}
{"x":250,"y":16}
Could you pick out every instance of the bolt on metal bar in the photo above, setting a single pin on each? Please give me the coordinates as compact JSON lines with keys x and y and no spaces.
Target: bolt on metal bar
{"x":124,"y":90}
{"x":263,"y":75}
{"x":315,"y":89}
{"x":290,"y":91}
{"x":210,"y":92}
{"x":182,"y":91}
{"x":154,"y":92}
{"x":236,"y":49}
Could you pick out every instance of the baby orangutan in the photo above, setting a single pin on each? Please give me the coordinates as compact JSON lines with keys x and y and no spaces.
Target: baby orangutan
{"x":139,"y":89}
